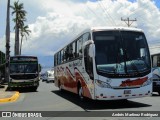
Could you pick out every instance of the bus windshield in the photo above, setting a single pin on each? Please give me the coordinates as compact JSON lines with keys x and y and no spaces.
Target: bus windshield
{"x":23,"y":68}
{"x":121,"y":53}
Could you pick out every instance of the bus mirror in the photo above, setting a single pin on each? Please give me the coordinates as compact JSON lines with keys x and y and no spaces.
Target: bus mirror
{"x":39,"y":68}
{"x":92,"y":50}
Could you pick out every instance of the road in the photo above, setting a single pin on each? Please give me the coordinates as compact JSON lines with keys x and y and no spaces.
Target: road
{"x":48,"y":98}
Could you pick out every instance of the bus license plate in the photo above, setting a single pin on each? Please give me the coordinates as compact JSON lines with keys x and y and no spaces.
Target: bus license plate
{"x":127,"y":91}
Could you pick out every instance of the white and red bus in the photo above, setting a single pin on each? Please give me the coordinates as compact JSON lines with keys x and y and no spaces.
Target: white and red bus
{"x":105,"y":63}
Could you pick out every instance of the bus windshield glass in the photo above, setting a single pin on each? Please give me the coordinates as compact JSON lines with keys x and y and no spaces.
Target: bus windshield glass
{"x":121,"y":53}
{"x":26,"y":67}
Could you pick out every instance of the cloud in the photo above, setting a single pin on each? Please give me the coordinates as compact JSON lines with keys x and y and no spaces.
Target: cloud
{"x":65,"y":19}
{"x":49,"y":33}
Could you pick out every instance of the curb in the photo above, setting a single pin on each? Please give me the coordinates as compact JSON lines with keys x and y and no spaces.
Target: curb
{"x":11,"y":99}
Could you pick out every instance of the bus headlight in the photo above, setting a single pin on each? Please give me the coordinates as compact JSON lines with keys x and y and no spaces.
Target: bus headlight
{"x":148,"y":82}
{"x":102,"y":84}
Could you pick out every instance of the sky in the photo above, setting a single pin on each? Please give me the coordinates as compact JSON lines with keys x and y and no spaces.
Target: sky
{"x":54,"y":23}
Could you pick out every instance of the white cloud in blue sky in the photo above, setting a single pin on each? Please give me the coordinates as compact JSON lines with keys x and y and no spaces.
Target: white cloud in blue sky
{"x":55,"y":22}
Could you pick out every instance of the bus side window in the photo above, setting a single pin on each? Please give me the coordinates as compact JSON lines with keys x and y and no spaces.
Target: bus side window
{"x":77,"y":53}
{"x":64,"y":56}
{"x":67,"y":53}
{"x":158,"y":61}
{"x":86,"y":37}
{"x":79,"y":47}
{"x":55,"y":59}
{"x":70,"y":51}
{"x":61,"y":56}
{"x":74,"y":49}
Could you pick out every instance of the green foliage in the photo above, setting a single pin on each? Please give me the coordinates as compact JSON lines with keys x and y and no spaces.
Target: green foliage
{"x":2,"y":64}
{"x":20,"y":18}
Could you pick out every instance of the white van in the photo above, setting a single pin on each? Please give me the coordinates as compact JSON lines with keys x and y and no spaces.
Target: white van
{"x":49,"y":76}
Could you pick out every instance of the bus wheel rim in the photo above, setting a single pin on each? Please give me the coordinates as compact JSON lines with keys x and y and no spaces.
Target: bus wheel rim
{"x":80,"y":93}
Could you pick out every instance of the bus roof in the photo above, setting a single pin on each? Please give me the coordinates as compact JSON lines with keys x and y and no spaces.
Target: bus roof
{"x":23,"y":56}
{"x":93,"y":29}
{"x":115,"y":28}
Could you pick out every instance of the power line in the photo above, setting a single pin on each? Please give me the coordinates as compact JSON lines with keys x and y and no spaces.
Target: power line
{"x":128,"y":21}
{"x":105,"y":11}
{"x":89,"y":10}
{"x":95,"y":13}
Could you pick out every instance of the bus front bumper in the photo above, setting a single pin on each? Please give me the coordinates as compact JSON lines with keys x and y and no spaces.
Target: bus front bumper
{"x":23,"y":84}
{"x":118,"y":94}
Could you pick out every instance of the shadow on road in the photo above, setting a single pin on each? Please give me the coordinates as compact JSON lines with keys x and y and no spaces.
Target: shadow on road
{"x":21,"y":90}
{"x":1,"y":86}
{"x":99,"y":105}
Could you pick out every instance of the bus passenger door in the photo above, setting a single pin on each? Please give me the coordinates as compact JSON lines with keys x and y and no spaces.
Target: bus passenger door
{"x":88,"y":61}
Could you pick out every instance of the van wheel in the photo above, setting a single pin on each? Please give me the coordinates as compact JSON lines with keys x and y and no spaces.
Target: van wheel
{"x":80,"y":93}
{"x":159,"y":92}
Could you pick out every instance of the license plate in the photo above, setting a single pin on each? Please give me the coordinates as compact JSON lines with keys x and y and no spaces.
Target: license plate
{"x":127,"y":91}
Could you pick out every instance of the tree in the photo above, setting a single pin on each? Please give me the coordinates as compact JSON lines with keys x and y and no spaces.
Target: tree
{"x":19,"y":19}
{"x":24,"y":31}
{"x":7,"y":42}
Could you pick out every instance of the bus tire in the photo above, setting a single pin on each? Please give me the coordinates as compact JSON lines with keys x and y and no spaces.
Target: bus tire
{"x":80,"y":93}
{"x":34,"y":89}
{"x":10,"y":88}
{"x":60,"y":87}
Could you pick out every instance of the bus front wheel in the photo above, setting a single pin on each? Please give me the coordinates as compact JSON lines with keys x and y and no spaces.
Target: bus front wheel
{"x":80,"y":93}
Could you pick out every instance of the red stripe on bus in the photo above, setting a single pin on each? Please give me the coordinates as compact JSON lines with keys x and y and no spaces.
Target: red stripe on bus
{"x":135,"y":82}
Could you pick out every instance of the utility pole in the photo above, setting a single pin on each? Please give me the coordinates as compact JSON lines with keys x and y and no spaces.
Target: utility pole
{"x":7,"y":42}
{"x":128,"y":21}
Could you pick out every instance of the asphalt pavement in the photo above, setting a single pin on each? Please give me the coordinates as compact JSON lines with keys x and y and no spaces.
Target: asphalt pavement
{"x":8,"y":96}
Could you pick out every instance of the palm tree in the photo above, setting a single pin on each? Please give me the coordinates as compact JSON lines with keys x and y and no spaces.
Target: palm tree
{"x":24,"y":31}
{"x":19,"y":19}
{"x":7,"y":42}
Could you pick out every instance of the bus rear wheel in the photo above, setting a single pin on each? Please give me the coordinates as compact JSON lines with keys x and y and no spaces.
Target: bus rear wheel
{"x":34,"y":89}
{"x":60,"y":86}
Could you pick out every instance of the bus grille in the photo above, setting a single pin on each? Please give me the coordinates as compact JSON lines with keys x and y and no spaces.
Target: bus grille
{"x":24,"y":76}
